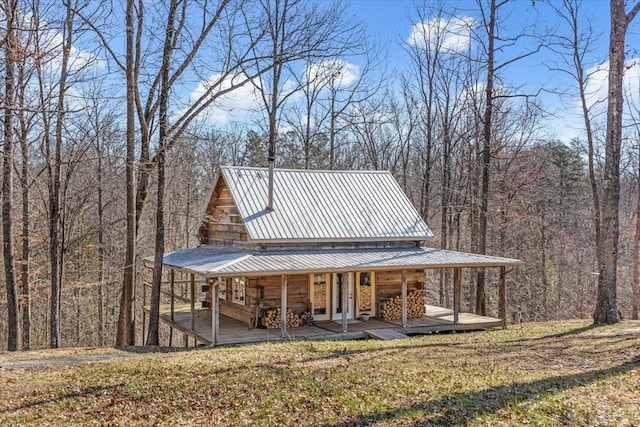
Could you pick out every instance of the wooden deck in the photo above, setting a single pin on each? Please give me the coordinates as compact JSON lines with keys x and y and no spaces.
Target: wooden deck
{"x":231,"y":331}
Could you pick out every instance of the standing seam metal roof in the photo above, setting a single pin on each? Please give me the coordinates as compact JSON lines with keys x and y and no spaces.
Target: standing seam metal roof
{"x":311,"y":205}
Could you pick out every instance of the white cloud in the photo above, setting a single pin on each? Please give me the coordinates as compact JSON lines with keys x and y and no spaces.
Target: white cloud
{"x":233,"y":106}
{"x":341,"y":72}
{"x":597,"y":85}
{"x":597,"y":88}
{"x":452,"y":35}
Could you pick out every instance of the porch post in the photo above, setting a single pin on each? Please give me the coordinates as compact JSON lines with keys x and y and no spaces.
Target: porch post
{"x":218,"y":307}
{"x":172,"y":276}
{"x":283,"y":314}
{"x":144,"y":312}
{"x":404,"y":298}
{"x":193,"y":301}
{"x":215,"y":294}
{"x":457,"y":287}
{"x":502,"y":297}
{"x":345,"y":301}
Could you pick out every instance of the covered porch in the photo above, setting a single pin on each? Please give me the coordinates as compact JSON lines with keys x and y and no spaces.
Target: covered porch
{"x":241,"y":286}
{"x":235,"y":332}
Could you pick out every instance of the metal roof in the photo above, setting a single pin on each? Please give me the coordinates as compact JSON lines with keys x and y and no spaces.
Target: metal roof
{"x":210,"y":260}
{"x":323,"y":206}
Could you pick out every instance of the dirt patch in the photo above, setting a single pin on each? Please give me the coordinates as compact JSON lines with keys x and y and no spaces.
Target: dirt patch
{"x":45,"y":363}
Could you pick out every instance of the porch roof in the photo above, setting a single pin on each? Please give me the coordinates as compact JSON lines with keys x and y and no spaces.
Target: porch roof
{"x":210,"y":260}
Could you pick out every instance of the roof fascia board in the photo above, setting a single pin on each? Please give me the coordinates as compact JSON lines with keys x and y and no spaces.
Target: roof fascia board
{"x":341,"y":240}
{"x":215,"y":273}
{"x":358,"y":269}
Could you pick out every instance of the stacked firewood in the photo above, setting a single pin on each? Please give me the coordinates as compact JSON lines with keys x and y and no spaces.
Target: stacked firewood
{"x":392,"y":308}
{"x":365,"y":298}
{"x":273,"y":318}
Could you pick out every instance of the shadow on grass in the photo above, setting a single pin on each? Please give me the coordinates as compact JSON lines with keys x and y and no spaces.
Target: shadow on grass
{"x":570,"y":332}
{"x":89,"y":391}
{"x":459,"y":409}
{"x":150,"y":349}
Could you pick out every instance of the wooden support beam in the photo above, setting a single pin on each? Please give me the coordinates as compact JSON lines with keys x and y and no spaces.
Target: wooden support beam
{"x":457,"y":293}
{"x":459,"y":290}
{"x":502,"y":297}
{"x":172,"y":275}
{"x":404,"y":298}
{"x":283,"y":320}
{"x":215,"y":312}
{"x":193,"y":301}
{"x":144,"y":313}
{"x":344,"y":303}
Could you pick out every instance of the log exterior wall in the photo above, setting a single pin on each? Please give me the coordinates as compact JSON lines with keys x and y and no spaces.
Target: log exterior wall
{"x":389,"y":283}
{"x":266,"y":292}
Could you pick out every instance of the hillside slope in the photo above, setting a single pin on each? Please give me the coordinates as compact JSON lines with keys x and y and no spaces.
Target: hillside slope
{"x":562,"y":373}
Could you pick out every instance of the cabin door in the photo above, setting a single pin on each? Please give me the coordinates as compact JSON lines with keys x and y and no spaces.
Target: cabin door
{"x":342,"y":282}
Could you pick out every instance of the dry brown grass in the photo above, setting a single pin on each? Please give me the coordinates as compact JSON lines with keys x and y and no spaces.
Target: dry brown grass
{"x":562,"y":373}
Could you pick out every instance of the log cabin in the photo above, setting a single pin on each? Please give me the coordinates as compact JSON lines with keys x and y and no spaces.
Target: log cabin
{"x":307,"y":253}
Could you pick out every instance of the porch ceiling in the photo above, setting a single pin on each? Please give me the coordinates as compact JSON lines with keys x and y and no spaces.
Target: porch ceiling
{"x":210,"y":260}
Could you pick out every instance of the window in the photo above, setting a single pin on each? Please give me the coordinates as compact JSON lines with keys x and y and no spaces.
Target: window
{"x":366,"y":292}
{"x":238,"y":290}
{"x":319,"y":296}
{"x":364,"y":302}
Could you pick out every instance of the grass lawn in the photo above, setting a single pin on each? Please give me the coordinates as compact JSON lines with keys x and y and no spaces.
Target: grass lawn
{"x":560,"y":373}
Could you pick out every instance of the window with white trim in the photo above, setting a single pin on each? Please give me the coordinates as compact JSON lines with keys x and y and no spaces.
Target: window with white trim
{"x":238,"y":289}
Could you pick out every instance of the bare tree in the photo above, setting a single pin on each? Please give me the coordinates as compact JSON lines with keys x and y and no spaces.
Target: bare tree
{"x":297,"y":33}
{"x":10,"y":55}
{"x":635,"y":294}
{"x":54,"y":169}
{"x":573,"y":49}
{"x":126,"y":320}
{"x":153,"y":338}
{"x":190,"y":39}
{"x":606,"y":310}
{"x":437,"y":74}
{"x":26,"y":119}
{"x":490,"y":25}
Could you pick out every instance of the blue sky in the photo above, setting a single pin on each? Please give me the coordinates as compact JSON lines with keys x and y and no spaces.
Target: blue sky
{"x":391,"y":22}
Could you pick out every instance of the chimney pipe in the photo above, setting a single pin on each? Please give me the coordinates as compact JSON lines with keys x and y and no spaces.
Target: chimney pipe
{"x":270,"y":199}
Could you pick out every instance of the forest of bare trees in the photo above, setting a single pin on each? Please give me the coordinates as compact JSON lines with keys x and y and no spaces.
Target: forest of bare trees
{"x":117,"y":116}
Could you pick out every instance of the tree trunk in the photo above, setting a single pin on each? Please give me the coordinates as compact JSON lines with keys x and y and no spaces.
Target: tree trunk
{"x":153,"y":337}
{"x":126,"y":321}
{"x":55,"y":242}
{"x":25,"y":292}
{"x":543,"y":260}
{"x":481,"y":304}
{"x":100,"y":239}
{"x":606,"y":311}
{"x":7,"y":190}
{"x":636,"y":253}
{"x":444,"y":211}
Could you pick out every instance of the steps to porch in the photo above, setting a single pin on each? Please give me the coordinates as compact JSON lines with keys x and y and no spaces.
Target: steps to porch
{"x":385,"y":334}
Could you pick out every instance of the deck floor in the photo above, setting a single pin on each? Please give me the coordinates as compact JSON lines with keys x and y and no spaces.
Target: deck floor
{"x":231,"y":331}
